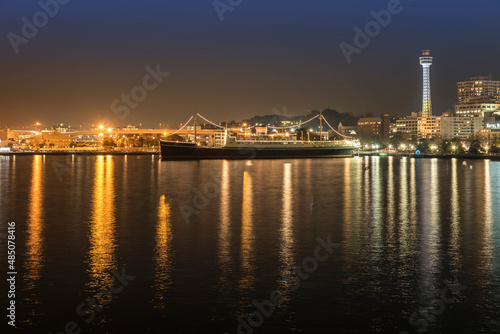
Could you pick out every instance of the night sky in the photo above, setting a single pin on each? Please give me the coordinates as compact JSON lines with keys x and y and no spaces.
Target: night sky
{"x":265,"y":55}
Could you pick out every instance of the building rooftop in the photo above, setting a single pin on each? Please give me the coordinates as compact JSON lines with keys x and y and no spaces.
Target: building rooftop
{"x":370,"y":119}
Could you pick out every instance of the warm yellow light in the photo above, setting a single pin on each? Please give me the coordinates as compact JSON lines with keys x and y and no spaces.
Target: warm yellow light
{"x":101,"y":127}
{"x":164,"y":133}
{"x":244,"y":124}
{"x":109,"y":129}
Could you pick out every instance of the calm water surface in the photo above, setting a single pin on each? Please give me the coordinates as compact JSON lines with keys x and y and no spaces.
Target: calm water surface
{"x":206,"y":239}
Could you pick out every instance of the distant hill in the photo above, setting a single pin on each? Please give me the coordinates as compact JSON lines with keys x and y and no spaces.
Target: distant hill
{"x":332,"y":116}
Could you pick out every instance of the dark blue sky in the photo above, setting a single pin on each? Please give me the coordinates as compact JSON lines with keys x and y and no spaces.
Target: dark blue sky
{"x":265,"y":55}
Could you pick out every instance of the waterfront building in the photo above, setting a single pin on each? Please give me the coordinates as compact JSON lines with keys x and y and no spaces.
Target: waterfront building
{"x":369,"y":126}
{"x":492,"y":120}
{"x":478,"y":89}
{"x":407,"y":126}
{"x":374,"y":126}
{"x":347,"y":130}
{"x":476,"y":108}
{"x":392,"y":129}
{"x":55,"y":140}
{"x":477,"y":96}
{"x":386,"y":126}
{"x":488,"y":135}
{"x":428,"y":127}
{"x":462,"y":127}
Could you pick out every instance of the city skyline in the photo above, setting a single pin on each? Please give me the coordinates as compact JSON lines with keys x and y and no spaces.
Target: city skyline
{"x":491,"y":87}
{"x":85,"y":59}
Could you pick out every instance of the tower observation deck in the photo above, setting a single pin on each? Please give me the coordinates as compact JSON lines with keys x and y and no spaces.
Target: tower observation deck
{"x":426,"y":62}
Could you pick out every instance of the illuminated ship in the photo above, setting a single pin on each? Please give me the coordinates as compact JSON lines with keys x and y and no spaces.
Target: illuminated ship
{"x":224,"y":146}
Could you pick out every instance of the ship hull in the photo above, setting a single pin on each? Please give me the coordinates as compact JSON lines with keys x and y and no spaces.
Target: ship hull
{"x":189,"y":151}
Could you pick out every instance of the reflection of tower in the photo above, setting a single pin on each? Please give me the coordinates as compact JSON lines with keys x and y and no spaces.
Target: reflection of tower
{"x":426,"y":62}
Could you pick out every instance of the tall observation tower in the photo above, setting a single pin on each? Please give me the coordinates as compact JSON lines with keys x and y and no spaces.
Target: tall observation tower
{"x":426,"y":62}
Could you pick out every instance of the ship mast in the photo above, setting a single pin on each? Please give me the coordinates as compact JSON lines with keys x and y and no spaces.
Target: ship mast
{"x":320,"y":126}
{"x":195,"y":118}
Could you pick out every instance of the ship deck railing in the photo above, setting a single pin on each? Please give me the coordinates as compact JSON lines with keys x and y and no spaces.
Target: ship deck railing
{"x":302,"y":142}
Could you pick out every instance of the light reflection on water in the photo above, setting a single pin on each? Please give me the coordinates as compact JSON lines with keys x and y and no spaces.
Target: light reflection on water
{"x":163,"y":254}
{"x":102,"y":236}
{"x":456,"y":232}
{"x":287,"y":240}
{"x":429,"y":234}
{"x":35,"y":257}
{"x":391,"y":222}
{"x":247,"y":236}
{"x":224,"y":246}
{"x":405,"y":226}
{"x":34,"y":243}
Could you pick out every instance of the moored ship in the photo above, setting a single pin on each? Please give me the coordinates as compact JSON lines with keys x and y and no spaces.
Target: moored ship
{"x":251,"y":146}
{"x":256,"y":150}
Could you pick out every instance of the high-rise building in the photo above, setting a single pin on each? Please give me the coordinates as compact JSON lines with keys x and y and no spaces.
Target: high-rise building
{"x":426,"y":62}
{"x":386,"y":126}
{"x":477,"y":96}
{"x":479,"y":89}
